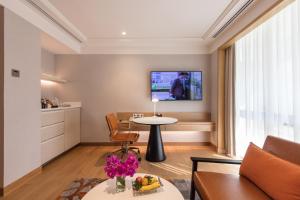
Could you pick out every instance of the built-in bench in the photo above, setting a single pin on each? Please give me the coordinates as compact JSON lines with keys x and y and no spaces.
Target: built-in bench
{"x":187,"y":121}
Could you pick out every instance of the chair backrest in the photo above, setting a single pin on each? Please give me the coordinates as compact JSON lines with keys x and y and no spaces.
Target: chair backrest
{"x":112,"y":122}
{"x":284,"y":149}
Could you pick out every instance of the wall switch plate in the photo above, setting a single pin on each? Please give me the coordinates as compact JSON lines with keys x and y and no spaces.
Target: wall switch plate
{"x":15,"y":73}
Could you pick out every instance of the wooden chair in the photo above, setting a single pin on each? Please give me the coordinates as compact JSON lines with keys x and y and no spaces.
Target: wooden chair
{"x":125,"y":138}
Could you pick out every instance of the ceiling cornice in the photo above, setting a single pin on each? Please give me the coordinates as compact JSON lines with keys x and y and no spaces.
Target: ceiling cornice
{"x":53,"y":14}
{"x":257,"y":9}
{"x":227,"y":18}
{"x":219,"y":20}
{"x":21,"y":8}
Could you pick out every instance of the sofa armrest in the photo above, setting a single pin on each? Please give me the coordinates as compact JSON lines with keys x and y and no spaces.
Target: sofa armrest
{"x":196,"y":160}
{"x":216,"y":160}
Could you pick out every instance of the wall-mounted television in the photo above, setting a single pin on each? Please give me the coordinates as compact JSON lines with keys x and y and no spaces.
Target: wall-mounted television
{"x":176,"y":85}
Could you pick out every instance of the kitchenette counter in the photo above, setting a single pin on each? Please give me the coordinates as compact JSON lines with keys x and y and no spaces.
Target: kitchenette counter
{"x":71,"y":105}
{"x":60,"y":130}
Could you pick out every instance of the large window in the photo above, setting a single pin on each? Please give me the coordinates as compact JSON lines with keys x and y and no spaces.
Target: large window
{"x":267,"y":94}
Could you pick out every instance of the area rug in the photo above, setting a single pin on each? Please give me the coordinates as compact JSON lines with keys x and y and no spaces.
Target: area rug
{"x":78,"y":188}
{"x":184,"y":186}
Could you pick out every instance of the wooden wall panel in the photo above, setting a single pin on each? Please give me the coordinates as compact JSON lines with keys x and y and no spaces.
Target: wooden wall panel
{"x":1,"y":99}
{"x":181,"y":116}
{"x":187,"y":121}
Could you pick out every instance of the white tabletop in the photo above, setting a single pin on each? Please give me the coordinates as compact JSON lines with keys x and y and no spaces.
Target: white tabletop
{"x":155,"y":120}
{"x":107,"y":190}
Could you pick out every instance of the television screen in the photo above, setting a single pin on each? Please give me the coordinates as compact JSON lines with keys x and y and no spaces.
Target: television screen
{"x":181,"y":85}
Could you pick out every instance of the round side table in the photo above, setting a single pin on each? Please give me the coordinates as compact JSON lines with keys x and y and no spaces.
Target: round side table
{"x":155,"y":147}
{"x":107,"y":190}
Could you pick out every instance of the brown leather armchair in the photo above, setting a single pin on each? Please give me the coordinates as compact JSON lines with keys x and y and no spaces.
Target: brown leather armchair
{"x":122,"y":137}
{"x":215,"y":186}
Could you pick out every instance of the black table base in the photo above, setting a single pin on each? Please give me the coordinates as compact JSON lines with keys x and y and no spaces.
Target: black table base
{"x":155,"y":148}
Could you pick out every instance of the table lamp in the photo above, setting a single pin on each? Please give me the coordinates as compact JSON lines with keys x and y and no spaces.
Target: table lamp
{"x":155,"y":100}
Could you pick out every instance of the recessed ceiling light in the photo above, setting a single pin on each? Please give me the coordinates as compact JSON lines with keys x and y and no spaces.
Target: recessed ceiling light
{"x":124,"y":33}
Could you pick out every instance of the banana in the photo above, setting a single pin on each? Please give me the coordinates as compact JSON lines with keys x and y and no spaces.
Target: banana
{"x":152,"y":180}
{"x":150,"y":187}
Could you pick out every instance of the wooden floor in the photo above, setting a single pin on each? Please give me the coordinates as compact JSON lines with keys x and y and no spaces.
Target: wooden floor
{"x":87,"y":162}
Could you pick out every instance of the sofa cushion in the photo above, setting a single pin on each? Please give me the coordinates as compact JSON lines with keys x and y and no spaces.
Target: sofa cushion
{"x":282,"y":148}
{"x":216,"y":186}
{"x":279,"y":178}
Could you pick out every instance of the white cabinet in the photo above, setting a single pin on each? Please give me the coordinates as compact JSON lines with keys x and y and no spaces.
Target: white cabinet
{"x":52,"y":148}
{"x":48,"y":132}
{"x":52,"y":117}
{"x":60,"y":131}
{"x":72,"y":127}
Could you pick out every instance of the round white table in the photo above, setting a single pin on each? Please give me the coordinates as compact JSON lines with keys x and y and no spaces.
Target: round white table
{"x":107,"y":190}
{"x":155,"y":147}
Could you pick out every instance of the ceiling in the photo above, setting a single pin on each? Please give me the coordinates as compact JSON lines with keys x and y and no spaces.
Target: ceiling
{"x":142,"y":18}
{"x":151,"y":26}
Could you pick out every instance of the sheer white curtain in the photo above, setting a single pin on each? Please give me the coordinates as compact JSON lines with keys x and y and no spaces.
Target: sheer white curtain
{"x":267,"y":94}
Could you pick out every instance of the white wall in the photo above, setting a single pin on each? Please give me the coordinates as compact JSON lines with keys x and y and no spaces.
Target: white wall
{"x":48,"y":67}
{"x":47,"y":62}
{"x":21,"y":98}
{"x":116,"y":83}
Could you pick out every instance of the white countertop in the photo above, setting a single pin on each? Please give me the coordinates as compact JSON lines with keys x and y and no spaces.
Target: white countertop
{"x":72,"y":105}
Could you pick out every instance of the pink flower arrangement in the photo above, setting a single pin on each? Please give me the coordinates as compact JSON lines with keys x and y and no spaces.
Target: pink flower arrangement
{"x":115,"y":167}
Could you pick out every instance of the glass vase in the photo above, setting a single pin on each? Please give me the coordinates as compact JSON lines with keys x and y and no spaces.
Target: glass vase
{"x":120,"y":184}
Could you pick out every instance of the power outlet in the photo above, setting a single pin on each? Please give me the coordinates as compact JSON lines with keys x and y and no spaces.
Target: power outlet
{"x":138,"y":115}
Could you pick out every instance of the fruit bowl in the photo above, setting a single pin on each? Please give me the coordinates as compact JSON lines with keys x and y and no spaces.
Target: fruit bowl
{"x":146,"y":184}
